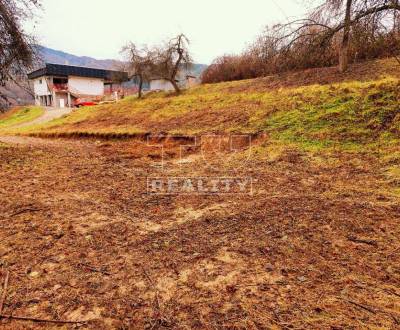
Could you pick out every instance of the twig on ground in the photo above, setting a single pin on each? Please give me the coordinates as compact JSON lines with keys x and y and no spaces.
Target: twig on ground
{"x":373,"y":311}
{"x":34,"y":319}
{"x":31,"y":209}
{"x":4,"y":293}
{"x":362,"y":241}
{"x":24,"y":318}
{"x":392,"y":292}
{"x":395,"y":319}
{"x":157,"y":298}
{"x":276,"y":320}
{"x":367,"y":308}
{"x":94,"y":269}
{"x":158,"y":316}
{"x":148,"y":277}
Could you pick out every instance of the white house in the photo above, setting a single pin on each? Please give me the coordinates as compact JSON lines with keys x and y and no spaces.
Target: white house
{"x":161,"y":85}
{"x":60,"y":85}
{"x":165,"y":85}
{"x":192,"y":81}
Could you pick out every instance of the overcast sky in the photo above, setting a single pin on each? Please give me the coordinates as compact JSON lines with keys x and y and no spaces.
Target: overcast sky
{"x":99,"y":28}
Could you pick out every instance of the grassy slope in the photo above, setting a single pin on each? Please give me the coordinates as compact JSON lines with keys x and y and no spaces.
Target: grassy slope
{"x":315,"y":110}
{"x":19,"y":116}
{"x":360,"y":109}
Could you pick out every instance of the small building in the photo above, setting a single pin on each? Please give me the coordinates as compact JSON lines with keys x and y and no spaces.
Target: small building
{"x":59,"y":85}
{"x":161,"y":85}
{"x":164,"y":85}
{"x":191,"y":81}
{"x":131,"y":86}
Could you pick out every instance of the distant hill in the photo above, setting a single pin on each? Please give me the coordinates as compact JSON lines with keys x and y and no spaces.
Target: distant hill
{"x":49,"y":55}
{"x":17,"y":95}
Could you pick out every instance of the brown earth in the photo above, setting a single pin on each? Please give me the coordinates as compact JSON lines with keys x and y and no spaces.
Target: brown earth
{"x":315,"y":247}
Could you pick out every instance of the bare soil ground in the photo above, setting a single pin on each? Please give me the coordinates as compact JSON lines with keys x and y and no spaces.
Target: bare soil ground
{"x":315,"y":247}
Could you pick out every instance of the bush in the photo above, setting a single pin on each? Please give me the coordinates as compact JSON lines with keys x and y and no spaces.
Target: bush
{"x":272,"y":53}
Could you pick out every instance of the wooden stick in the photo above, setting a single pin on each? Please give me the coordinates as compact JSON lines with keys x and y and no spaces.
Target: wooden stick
{"x":96,"y":270}
{"x":392,"y":292}
{"x":24,"y":211}
{"x":34,"y":319}
{"x":4,"y":293}
{"x":362,"y":241}
{"x":367,"y":308}
{"x":148,"y":277}
{"x":24,"y":318}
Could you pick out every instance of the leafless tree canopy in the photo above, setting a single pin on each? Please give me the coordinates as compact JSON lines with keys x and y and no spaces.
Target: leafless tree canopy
{"x":171,"y":58}
{"x":339,"y":16}
{"x":16,"y":47}
{"x":323,"y":38}
{"x":165,"y":61}
{"x":140,"y":63}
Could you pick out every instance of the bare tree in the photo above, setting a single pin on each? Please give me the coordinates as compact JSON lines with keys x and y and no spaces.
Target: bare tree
{"x":140,"y":63}
{"x":355,"y":30}
{"x":344,"y":47}
{"x":171,"y":58}
{"x":16,"y":47}
{"x":335,"y":17}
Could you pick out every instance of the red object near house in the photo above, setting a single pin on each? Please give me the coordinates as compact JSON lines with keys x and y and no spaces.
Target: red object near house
{"x":85,"y":104}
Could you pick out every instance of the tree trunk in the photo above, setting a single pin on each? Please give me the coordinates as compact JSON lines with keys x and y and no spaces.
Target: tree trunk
{"x":176,"y":87}
{"x":140,"y":86}
{"x":344,"y":47}
{"x":177,"y":64}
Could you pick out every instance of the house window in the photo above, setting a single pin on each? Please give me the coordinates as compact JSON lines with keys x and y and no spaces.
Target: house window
{"x":40,"y":81}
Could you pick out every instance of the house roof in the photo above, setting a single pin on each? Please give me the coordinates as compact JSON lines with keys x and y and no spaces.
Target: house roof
{"x":68,"y":70}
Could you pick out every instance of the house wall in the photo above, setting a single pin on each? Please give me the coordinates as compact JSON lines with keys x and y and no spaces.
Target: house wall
{"x":191,"y":82}
{"x":44,"y":100}
{"x":161,"y":84}
{"x":133,"y":84}
{"x":61,"y":96}
{"x":40,"y":87}
{"x":86,"y":86}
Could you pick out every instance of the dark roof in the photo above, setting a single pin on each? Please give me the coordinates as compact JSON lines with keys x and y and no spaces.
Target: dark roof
{"x":68,"y":70}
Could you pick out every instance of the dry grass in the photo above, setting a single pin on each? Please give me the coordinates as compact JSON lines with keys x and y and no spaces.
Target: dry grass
{"x":358,"y":108}
{"x":357,"y":112}
{"x":315,"y":247}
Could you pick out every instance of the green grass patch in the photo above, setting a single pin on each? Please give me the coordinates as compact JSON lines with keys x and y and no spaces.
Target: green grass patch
{"x":350,"y":116}
{"x":393,"y":174}
{"x":20,"y":116}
